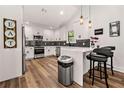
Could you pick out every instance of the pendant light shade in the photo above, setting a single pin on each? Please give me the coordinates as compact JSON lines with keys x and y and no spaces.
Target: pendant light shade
{"x":81,"y":20}
{"x":90,"y":22}
{"x":81,"y":17}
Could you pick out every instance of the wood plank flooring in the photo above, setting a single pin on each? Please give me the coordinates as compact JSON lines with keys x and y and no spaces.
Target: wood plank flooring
{"x":42,"y":73}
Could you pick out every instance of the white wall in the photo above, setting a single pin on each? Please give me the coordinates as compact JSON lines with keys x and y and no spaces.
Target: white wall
{"x":101,"y":17}
{"x":11,"y":59}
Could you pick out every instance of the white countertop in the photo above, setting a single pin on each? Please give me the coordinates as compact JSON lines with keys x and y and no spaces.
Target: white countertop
{"x":80,"y":49}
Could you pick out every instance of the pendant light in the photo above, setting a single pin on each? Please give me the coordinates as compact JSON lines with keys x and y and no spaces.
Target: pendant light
{"x":90,"y":22}
{"x":81,"y":17}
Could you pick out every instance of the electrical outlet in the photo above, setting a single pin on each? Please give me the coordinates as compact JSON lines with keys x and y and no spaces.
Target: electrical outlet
{"x":83,"y":44}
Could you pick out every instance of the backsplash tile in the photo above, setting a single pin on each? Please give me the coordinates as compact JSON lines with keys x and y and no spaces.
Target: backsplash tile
{"x":83,"y":43}
{"x":79,"y":43}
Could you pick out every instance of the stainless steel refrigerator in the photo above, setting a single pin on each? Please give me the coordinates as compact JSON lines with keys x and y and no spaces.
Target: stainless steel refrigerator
{"x":23,"y":51}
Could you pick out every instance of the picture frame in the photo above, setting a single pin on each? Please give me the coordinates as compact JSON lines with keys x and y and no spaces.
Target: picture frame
{"x":114,"y":29}
{"x":98,"y":31}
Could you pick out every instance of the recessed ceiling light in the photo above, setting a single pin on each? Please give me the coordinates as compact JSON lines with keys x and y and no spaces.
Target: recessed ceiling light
{"x":61,"y":12}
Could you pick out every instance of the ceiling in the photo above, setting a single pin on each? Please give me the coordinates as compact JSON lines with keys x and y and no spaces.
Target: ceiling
{"x":49,"y":15}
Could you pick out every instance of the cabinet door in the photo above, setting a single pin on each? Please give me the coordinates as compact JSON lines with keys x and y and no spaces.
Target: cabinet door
{"x":28,"y":33}
{"x":57,"y":35}
{"x":50,"y":50}
{"x":63,"y":34}
{"x":29,"y":51}
{"x":47,"y":51}
{"x":48,"y":35}
{"x":29,"y":37}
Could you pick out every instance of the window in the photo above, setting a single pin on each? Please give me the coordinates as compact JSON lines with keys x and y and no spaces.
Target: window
{"x":71,"y":38}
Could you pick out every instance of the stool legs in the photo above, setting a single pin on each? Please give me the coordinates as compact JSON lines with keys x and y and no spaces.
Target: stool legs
{"x":98,"y":66}
{"x":93,"y":73}
{"x":112,"y":65}
{"x":100,"y":70}
{"x":105,"y":71}
{"x":90,"y":69}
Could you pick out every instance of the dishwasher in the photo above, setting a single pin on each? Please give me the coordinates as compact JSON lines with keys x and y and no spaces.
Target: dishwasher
{"x":58,"y":51}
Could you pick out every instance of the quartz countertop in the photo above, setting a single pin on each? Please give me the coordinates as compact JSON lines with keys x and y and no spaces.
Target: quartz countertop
{"x":80,"y":49}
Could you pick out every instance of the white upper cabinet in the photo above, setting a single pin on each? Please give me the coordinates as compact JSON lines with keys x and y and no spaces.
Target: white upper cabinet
{"x":60,"y":34}
{"x":63,"y":34}
{"x":48,"y":35}
{"x":37,"y":31}
{"x":57,"y":35}
{"x":28,"y":33}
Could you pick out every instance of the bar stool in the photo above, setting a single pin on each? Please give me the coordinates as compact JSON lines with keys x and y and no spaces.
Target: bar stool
{"x":110,"y":55}
{"x":94,"y":57}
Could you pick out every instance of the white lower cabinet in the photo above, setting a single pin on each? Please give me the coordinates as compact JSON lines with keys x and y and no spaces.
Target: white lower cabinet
{"x":29,"y":51}
{"x":50,"y":50}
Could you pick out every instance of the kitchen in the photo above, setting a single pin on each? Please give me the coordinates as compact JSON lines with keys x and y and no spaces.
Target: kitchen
{"x":51,"y":31}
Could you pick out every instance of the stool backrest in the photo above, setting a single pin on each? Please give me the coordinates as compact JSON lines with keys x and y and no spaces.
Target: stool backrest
{"x":109,"y":47}
{"x":103,"y":51}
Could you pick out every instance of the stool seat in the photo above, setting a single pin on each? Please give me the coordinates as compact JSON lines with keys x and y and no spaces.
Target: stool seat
{"x":96,"y":57}
{"x":103,"y":51}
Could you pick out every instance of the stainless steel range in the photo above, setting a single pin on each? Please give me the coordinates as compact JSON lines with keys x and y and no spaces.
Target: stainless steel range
{"x":38,"y":49}
{"x":38,"y":52}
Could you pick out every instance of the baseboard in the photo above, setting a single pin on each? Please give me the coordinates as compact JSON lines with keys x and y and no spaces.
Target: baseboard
{"x":119,"y":69}
{"x":10,"y":78}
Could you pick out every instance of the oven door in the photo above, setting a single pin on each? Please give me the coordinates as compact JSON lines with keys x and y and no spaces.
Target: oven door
{"x":39,"y":51}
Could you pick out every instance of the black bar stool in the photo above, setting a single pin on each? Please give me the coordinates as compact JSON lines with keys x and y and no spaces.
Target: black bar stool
{"x":110,"y":55}
{"x":94,"y":57}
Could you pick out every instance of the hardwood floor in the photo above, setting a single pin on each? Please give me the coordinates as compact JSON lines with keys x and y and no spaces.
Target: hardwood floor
{"x":42,"y":73}
{"x":114,"y":81}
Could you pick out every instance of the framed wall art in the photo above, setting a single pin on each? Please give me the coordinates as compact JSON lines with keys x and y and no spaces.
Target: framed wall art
{"x":9,"y":26}
{"x":114,"y":29}
{"x":98,"y":31}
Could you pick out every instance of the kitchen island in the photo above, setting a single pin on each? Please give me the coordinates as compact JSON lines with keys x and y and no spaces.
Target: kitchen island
{"x":81,"y":64}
